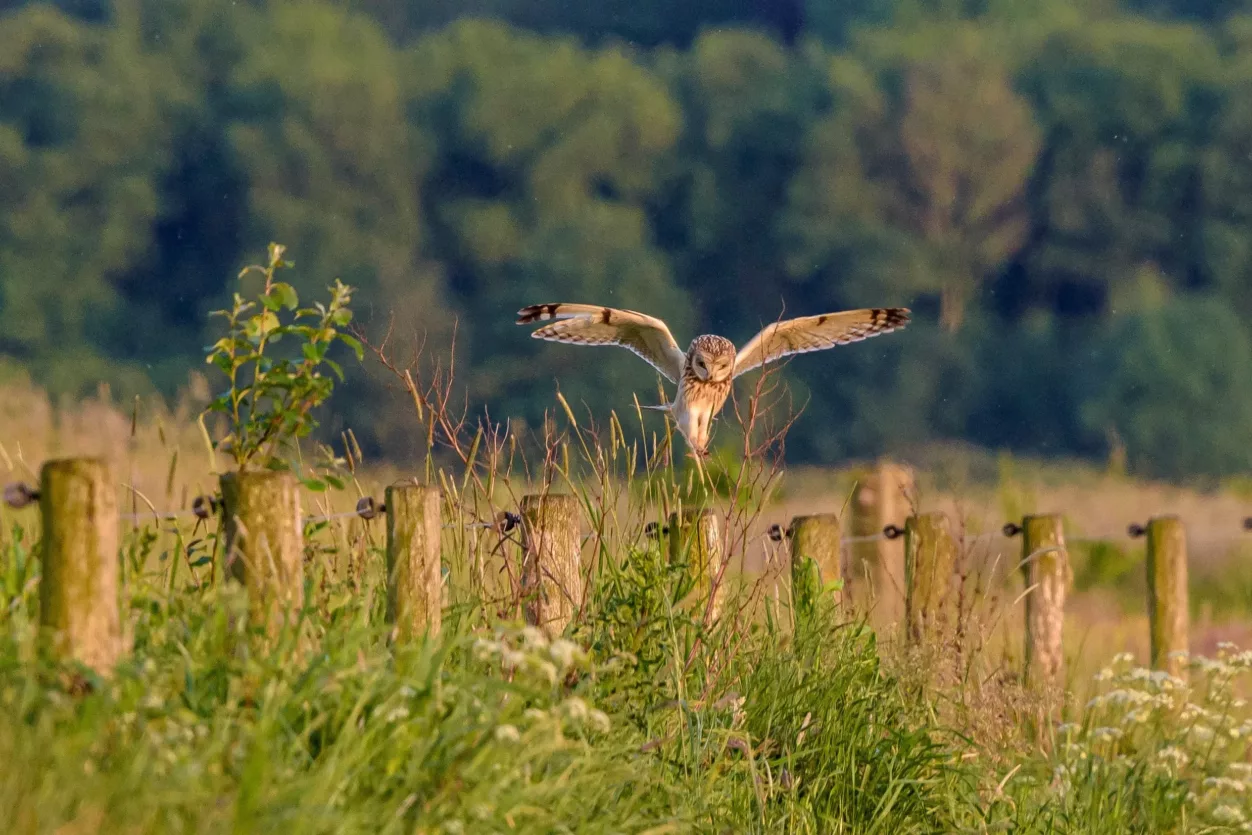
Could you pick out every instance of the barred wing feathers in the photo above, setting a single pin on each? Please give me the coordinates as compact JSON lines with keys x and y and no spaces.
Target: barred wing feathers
{"x":816,"y":333}
{"x":589,"y":324}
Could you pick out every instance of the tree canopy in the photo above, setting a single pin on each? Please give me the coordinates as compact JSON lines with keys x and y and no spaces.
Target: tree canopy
{"x":1060,"y":190}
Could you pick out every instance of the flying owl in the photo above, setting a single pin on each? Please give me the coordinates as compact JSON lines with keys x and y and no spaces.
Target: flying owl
{"x":705,"y":372}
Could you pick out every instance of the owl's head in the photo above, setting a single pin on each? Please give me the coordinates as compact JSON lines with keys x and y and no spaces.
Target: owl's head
{"x":711,"y":358}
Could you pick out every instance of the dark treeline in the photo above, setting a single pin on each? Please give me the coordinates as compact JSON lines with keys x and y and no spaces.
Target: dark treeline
{"x":1061,"y":190}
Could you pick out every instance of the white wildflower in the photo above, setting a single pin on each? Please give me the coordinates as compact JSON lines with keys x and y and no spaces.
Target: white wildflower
{"x":564,"y":653}
{"x":548,"y":671}
{"x":1106,"y":734}
{"x":1227,"y":814}
{"x":534,"y":714}
{"x":396,"y":714}
{"x":507,"y":733}
{"x":534,"y":638}
{"x":511,"y":659}
{"x":1174,"y":755}
{"x":576,"y":708}
{"x":1123,"y":658}
{"x":1121,"y":698}
{"x":1203,"y":733}
{"x":599,"y":720}
{"x":485,"y":650}
{"x":1104,"y":675}
{"x":1225,"y":785}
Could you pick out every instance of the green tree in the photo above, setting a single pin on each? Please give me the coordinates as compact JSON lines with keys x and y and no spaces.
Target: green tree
{"x":748,"y":103}
{"x":83,"y":145}
{"x":916,"y":181}
{"x":1172,"y":382}
{"x":1124,"y":108}
{"x":548,"y":154}
{"x":967,"y":146}
{"x":332,"y":165}
{"x":836,"y":245}
{"x":316,"y":105}
{"x":1224,"y":251}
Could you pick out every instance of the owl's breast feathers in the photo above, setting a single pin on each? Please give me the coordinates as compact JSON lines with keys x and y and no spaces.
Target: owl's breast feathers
{"x":701,"y":395}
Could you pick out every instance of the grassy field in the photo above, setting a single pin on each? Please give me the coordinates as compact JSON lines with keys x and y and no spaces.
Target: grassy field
{"x":642,"y":717}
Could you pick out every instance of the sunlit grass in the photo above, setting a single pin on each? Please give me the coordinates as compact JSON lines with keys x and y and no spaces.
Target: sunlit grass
{"x":644,"y":717}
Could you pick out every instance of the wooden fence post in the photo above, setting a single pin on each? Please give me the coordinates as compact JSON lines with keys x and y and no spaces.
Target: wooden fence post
{"x":78,"y":590}
{"x":265,"y":544}
{"x":1167,"y":592}
{"x":414,"y":575}
{"x":696,"y":539}
{"x":816,"y":551}
{"x":552,"y":580}
{"x":929,"y":562}
{"x":1046,"y":569}
{"x":881,"y":498}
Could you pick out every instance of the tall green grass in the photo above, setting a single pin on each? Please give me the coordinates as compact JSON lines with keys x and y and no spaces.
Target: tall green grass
{"x":487,"y":729}
{"x":644,"y":716}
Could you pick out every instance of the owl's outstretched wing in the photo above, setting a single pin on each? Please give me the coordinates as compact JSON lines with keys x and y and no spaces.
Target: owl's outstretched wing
{"x":816,"y":333}
{"x":589,"y":324}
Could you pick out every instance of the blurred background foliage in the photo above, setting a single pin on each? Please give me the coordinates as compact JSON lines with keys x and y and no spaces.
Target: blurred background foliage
{"x":1061,"y":189}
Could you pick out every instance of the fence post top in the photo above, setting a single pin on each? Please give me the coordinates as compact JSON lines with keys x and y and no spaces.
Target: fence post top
{"x":804,"y":517}
{"x":531,"y":499}
{"x":92,"y":461}
{"x":692,"y":514}
{"x":234,"y":476}
{"x":412,"y":484}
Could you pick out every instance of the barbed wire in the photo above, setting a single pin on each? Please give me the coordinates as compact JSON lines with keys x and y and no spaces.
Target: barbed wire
{"x":18,"y":495}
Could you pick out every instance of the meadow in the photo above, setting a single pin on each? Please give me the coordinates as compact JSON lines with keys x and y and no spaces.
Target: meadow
{"x":645,"y":715}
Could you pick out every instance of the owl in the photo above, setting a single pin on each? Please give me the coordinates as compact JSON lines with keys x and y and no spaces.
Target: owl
{"x":705,"y":372}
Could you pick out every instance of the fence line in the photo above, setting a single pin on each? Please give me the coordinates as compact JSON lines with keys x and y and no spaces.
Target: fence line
{"x":264,"y":532}
{"x":18,"y":495}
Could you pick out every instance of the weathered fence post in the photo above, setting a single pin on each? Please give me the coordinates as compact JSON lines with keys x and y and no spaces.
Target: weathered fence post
{"x":1167,"y":592}
{"x":881,"y":498}
{"x":265,"y":544}
{"x":929,"y":563}
{"x":552,"y":563}
{"x":1046,"y":570}
{"x":816,"y":551}
{"x":695,"y":539}
{"x":414,"y":576}
{"x":78,"y":591}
